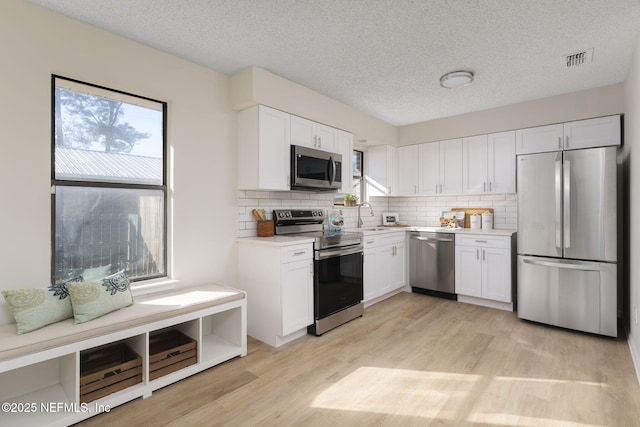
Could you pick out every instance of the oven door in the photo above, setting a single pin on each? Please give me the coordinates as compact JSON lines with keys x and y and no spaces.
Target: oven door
{"x":315,"y":169}
{"x":337,"y":280}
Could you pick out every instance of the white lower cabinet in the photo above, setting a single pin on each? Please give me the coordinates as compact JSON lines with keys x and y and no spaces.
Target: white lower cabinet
{"x":279,"y":285}
{"x":484,"y":270}
{"x":385,"y":264}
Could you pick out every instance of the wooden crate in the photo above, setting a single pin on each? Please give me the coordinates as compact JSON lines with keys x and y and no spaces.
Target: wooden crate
{"x":170,"y":351}
{"x":105,"y":370}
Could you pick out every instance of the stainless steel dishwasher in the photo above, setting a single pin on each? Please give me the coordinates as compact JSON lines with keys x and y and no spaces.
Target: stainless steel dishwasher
{"x":432,"y":263}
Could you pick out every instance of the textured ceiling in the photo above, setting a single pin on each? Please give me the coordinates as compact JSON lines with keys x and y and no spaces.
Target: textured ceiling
{"x":385,"y":57}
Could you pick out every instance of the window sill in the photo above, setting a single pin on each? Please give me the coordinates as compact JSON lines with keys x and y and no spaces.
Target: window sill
{"x":154,"y":285}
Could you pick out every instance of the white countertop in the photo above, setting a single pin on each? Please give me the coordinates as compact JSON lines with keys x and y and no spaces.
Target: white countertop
{"x":381,"y":230}
{"x":276,"y":240}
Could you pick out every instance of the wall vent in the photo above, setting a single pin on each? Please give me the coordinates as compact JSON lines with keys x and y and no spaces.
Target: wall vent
{"x":577,"y":59}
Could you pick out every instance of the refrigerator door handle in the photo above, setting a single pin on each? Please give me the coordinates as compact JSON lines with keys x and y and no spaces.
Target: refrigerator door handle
{"x":558,"y":204}
{"x":563,"y":265}
{"x":567,"y":203}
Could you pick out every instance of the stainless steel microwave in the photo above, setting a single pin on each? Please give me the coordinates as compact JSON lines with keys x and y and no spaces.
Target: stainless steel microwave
{"x":315,"y":170}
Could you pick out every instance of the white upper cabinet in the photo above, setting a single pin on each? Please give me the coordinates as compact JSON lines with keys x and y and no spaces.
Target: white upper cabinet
{"x":263,"y":149}
{"x":489,"y":163}
{"x":429,"y":173}
{"x":451,"y":166}
{"x":345,"y":145}
{"x":475,"y":165}
{"x":408,"y":170}
{"x":539,"y":139}
{"x":308,"y":133}
{"x":379,"y":173}
{"x":501,"y":154}
{"x":598,"y":132}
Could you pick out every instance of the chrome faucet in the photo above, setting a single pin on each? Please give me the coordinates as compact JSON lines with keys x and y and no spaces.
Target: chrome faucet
{"x":360,"y":222}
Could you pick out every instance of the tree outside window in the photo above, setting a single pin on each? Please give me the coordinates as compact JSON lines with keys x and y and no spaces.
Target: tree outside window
{"x":109,"y":197}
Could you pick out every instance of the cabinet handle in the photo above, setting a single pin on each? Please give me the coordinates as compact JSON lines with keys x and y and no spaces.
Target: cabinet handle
{"x":484,"y":252}
{"x":481,"y":241}
{"x":319,"y":141}
{"x":477,"y":254}
{"x":436,"y":188}
{"x":566,"y":142}
{"x":489,"y":186}
{"x":560,"y":142}
{"x":440,"y":188}
{"x":485,"y":187}
{"x":370,"y":242}
{"x":299,"y":253}
{"x":415,"y":189}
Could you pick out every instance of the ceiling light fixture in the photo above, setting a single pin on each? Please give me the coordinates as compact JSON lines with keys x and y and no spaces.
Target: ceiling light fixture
{"x":456,"y":79}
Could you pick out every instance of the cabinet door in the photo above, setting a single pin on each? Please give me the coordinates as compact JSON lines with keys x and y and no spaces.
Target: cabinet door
{"x":345,"y":147}
{"x":474,"y":165}
{"x":327,"y":138}
{"x":297,"y":296}
{"x":379,"y":172}
{"x":599,"y":132}
{"x":540,"y":139}
{"x":429,"y":173}
{"x":468,"y":271}
{"x":384,"y":269}
{"x":273,"y":149}
{"x":370,"y":273}
{"x":398,"y":266}
{"x":501,"y":156}
{"x":451,"y":166}
{"x":303,"y":132}
{"x":496,"y":274}
{"x":408,"y":175}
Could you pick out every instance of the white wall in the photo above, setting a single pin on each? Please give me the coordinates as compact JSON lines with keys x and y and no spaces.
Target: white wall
{"x":585,"y":104}
{"x":631,"y":155}
{"x":201,"y":132}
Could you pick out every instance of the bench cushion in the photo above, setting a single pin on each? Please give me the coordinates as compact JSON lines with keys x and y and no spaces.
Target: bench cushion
{"x":146,"y":309}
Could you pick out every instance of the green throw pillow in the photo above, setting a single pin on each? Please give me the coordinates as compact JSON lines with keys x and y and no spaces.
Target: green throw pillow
{"x":34,"y":308}
{"x":97,"y":298}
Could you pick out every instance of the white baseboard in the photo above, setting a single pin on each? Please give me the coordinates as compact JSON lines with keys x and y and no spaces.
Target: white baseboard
{"x":635,"y":356}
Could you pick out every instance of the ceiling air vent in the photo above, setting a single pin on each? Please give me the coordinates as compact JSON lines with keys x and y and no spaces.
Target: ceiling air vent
{"x":577,"y":59}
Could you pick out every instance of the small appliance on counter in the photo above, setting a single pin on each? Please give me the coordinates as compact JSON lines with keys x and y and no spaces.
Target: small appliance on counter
{"x":390,"y":218}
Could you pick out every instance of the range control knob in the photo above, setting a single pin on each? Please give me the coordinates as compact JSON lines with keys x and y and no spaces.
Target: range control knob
{"x":281,"y":214}
{"x":288,"y":214}
{"x":319,"y":213}
{"x":314,"y":213}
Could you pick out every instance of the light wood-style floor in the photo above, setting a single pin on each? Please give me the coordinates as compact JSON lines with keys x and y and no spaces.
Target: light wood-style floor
{"x":411,"y":360}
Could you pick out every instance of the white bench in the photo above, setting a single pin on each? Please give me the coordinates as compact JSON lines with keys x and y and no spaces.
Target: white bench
{"x":43,"y":367}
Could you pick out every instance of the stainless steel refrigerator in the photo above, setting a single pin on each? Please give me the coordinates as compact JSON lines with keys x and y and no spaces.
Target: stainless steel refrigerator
{"x":567,"y":242}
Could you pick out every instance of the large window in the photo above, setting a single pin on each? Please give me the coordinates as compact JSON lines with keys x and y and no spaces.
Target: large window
{"x":108,"y":182}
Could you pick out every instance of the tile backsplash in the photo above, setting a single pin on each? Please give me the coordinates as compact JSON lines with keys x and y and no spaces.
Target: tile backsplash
{"x":415,"y":210}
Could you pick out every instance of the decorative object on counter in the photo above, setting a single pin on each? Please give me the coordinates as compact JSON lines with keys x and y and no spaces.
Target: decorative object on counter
{"x":460,"y":219}
{"x":350,"y":199}
{"x":336,"y":221}
{"x":487,"y":220}
{"x":448,"y":219}
{"x":476,"y":221}
{"x":265,"y":226}
{"x":470,"y":211}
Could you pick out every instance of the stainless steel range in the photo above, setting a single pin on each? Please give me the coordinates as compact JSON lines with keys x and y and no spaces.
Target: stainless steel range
{"x":337,"y":267}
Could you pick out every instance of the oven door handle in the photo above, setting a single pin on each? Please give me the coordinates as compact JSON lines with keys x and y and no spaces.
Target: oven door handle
{"x":332,"y":253}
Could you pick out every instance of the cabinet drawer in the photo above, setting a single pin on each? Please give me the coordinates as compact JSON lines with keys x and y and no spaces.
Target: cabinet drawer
{"x":483,"y":241}
{"x":384,"y":239}
{"x":296,"y":253}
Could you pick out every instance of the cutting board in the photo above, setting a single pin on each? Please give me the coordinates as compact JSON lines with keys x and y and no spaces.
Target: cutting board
{"x":470,"y":211}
